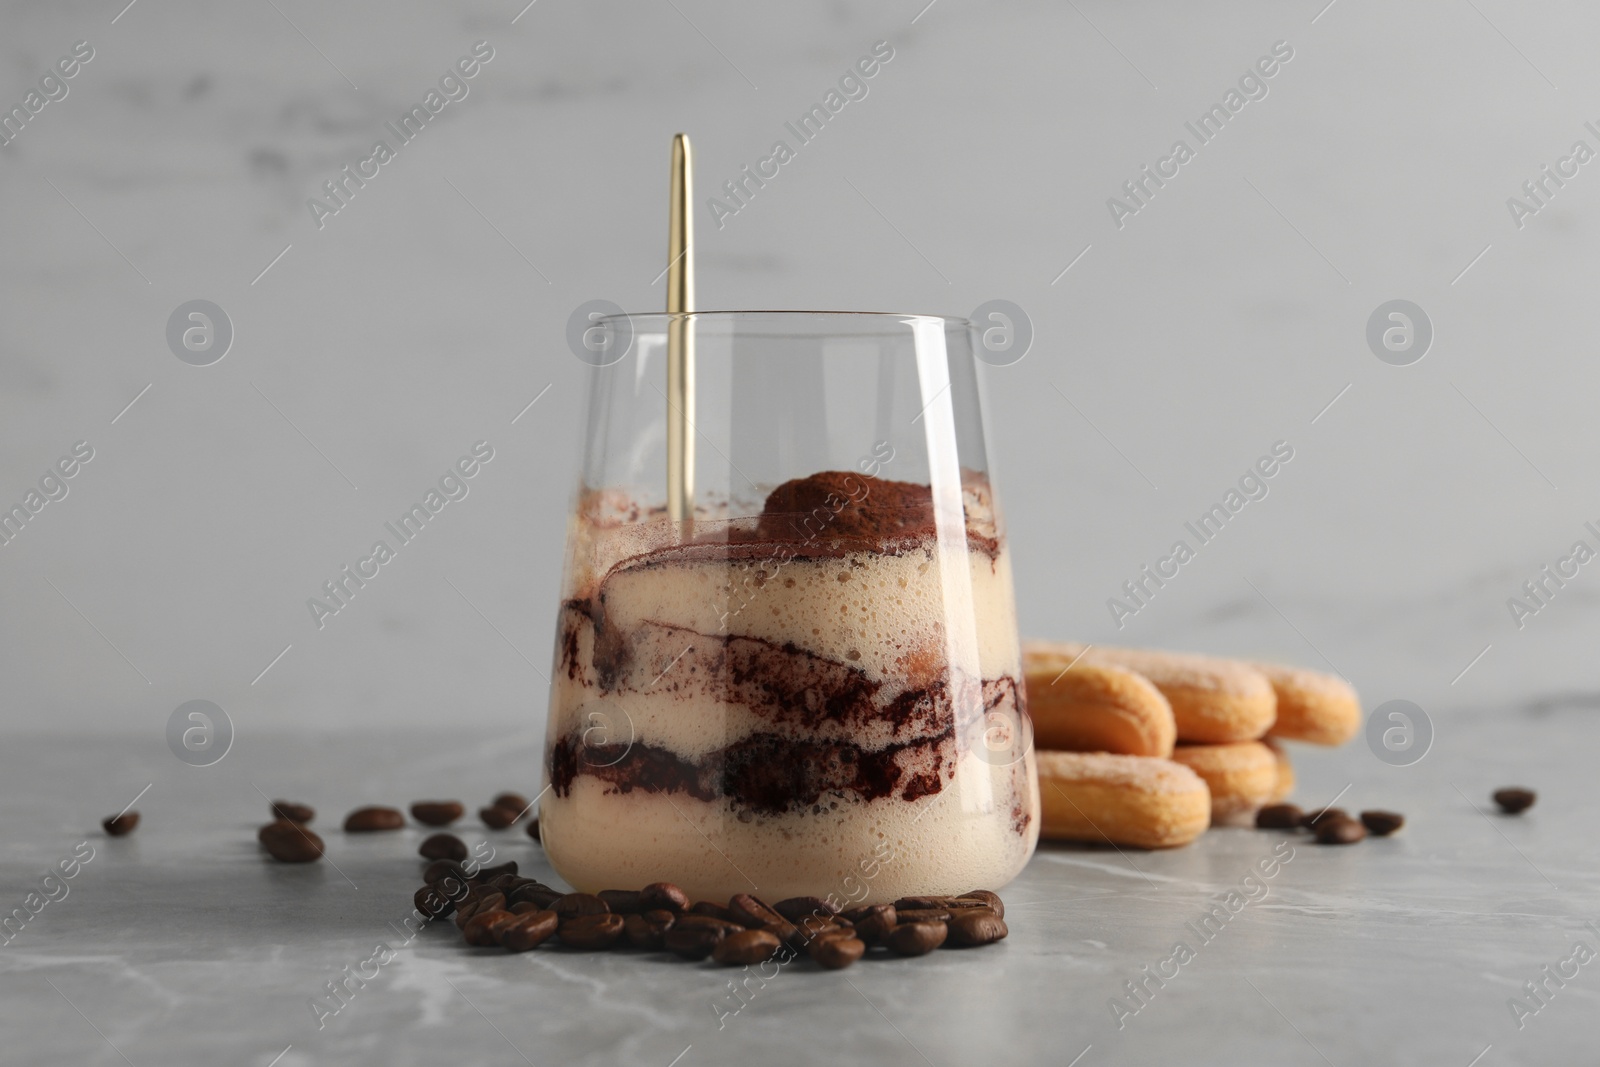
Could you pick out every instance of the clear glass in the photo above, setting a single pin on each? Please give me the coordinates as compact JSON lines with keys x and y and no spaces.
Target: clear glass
{"x":813,"y":686}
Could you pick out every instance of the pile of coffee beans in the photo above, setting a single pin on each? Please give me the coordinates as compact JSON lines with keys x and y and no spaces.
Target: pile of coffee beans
{"x":1330,"y":826}
{"x":497,"y":907}
{"x":1334,"y":826}
{"x":286,"y":838}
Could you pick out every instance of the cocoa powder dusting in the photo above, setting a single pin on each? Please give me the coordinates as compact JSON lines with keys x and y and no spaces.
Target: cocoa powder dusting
{"x":847,"y":505}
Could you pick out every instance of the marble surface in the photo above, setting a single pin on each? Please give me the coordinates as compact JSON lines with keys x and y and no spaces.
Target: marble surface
{"x":183,"y":944}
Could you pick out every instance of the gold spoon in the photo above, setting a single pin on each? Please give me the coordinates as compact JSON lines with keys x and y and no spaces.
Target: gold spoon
{"x":680,"y":336}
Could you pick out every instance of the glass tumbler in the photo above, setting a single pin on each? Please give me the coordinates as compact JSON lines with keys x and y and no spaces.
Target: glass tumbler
{"x":812,"y":684}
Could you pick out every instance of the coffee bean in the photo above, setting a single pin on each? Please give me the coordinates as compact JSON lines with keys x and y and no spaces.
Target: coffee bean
{"x":989,"y":897}
{"x":648,"y":930}
{"x":827,"y":930}
{"x":535,"y":893}
{"x":465,"y":906}
{"x":1345,"y":831}
{"x":973,"y":904}
{"x":978,"y":898}
{"x":506,"y":883}
{"x":750,"y":911}
{"x":971,"y":928}
{"x":874,"y":922}
{"x":489,"y":874}
{"x":796,"y":908}
{"x":591,"y":933}
{"x":533,"y":828}
{"x":433,"y":902}
{"x":1280,"y":817}
{"x":746,"y":947}
{"x":439,"y":870}
{"x":621,"y":901}
{"x":917,"y":939}
{"x":118,"y":825}
{"x":497,"y":818}
{"x":788,"y":933}
{"x":812,"y":927}
{"x":437,"y":812}
{"x":716,"y":911}
{"x":443,"y":847}
{"x":706,"y":922}
{"x":453,"y":889}
{"x":483,"y":929}
{"x":472,"y":905}
{"x":837,"y":953}
{"x":528,"y":930}
{"x":1514,"y":800}
{"x":515,"y":803}
{"x":921,"y":915}
{"x":525,"y":907}
{"x":926,"y":902}
{"x":290,"y":842}
{"x":692,"y":942}
{"x":573,"y":905}
{"x":367,"y":820}
{"x":1313,"y":819}
{"x":1382,"y":823}
{"x":663,"y":896}
{"x":288,"y":809}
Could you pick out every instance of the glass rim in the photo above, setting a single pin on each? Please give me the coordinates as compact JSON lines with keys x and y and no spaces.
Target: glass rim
{"x":958,"y":320}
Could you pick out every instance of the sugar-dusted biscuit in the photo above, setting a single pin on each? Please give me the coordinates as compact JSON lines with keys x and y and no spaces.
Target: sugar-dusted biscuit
{"x":1095,"y":707}
{"x":1285,"y":786}
{"x":1125,"y":800}
{"x":1312,"y":706}
{"x":1241,"y":775}
{"x":1213,"y":700}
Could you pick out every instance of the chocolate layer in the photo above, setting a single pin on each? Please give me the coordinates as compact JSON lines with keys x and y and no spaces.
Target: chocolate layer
{"x":784,"y":684}
{"x":772,"y":773}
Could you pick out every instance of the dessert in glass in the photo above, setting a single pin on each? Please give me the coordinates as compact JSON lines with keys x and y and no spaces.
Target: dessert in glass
{"x":812,"y":685}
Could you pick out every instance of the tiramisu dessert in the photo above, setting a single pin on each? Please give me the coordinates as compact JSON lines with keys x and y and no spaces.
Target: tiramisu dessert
{"x":822,"y":698}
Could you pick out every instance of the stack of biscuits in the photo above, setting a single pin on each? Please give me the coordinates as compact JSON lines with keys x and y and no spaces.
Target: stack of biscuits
{"x":1148,"y":748}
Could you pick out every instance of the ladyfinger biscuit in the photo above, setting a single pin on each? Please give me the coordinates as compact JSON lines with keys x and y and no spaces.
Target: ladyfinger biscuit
{"x":1094,"y":707}
{"x":1285,"y":785}
{"x":1241,"y":775}
{"x":1213,"y":700}
{"x":1312,"y":706}
{"x":1125,"y":800}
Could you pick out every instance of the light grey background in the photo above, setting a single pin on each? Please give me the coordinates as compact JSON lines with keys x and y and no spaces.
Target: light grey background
{"x":1224,"y":316}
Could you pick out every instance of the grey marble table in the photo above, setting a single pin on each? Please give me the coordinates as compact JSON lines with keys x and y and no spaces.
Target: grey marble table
{"x":181,"y":944}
